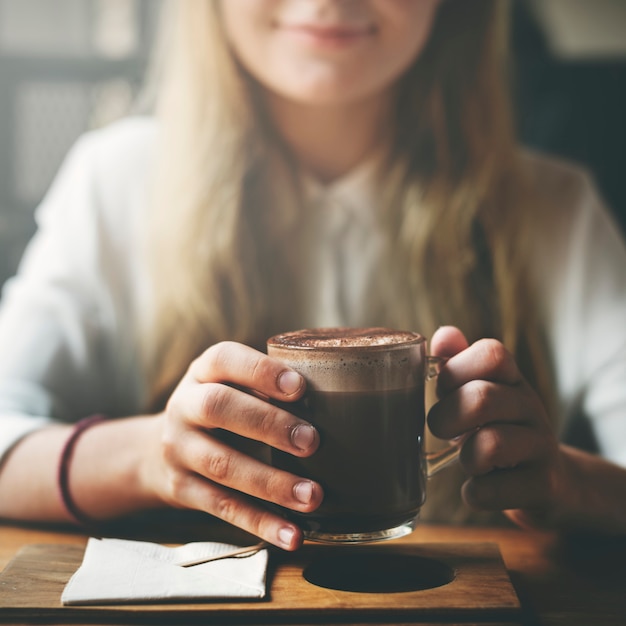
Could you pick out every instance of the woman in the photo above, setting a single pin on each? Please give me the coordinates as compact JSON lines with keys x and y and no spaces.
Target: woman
{"x":312,"y":163}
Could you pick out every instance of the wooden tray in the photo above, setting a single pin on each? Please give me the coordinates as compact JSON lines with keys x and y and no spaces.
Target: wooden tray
{"x":480,"y":589}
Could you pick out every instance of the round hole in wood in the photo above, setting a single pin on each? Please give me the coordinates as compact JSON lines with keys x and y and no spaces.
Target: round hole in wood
{"x":378,"y":573}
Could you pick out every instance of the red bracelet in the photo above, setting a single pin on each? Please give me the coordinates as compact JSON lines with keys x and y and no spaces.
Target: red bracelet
{"x":63,"y":475}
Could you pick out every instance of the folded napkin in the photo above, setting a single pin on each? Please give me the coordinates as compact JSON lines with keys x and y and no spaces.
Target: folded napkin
{"x":117,"y":571}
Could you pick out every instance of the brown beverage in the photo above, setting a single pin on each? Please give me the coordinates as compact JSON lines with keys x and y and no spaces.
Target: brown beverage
{"x":365,"y":395}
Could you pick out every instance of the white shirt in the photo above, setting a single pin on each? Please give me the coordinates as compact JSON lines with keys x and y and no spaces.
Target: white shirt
{"x":68,"y":346}
{"x":348,"y":244}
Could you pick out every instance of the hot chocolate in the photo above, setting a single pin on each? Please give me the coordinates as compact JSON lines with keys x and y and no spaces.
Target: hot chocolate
{"x":365,"y":395}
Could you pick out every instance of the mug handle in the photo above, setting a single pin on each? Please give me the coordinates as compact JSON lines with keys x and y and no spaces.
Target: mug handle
{"x":436,"y":461}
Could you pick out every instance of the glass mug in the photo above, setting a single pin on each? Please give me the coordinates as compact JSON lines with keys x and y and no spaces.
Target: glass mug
{"x":365,"y":396}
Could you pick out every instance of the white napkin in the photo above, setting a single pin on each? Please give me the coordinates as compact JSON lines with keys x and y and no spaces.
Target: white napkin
{"x":122,"y":571}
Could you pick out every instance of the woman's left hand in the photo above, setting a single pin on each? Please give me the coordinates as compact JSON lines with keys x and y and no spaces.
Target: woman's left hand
{"x":509,"y":449}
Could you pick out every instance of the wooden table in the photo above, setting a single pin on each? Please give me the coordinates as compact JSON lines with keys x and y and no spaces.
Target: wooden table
{"x":573,"y":581}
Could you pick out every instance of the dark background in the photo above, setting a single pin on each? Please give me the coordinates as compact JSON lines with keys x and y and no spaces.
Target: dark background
{"x":573,"y":108}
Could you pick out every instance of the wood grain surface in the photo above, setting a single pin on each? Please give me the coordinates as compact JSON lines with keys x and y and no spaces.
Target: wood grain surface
{"x":559,"y":580}
{"x":31,"y":586}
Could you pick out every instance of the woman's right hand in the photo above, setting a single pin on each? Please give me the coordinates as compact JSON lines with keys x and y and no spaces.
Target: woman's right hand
{"x":192,"y":467}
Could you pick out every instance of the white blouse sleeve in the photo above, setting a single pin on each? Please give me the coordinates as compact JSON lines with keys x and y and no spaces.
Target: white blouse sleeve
{"x":64,"y":319}
{"x":581,"y":258}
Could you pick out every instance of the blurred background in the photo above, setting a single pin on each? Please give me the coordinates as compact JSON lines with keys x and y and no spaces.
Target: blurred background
{"x":71,"y":65}
{"x":66,"y":66}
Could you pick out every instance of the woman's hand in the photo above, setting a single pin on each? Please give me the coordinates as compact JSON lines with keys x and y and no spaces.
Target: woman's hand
{"x":509,"y":449}
{"x":194,"y":466}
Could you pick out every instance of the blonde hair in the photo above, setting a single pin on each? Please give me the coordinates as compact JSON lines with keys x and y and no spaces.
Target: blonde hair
{"x":209,"y":272}
{"x":461,"y":204}
{"x":221,"y":247}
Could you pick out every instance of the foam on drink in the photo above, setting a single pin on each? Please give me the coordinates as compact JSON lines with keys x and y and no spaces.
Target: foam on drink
{"x":352,"y":359}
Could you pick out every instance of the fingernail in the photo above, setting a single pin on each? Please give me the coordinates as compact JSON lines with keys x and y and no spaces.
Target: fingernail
{"x":289,"y":382}
{"x":303,"y":436}
{"x":303,"y":491}
{"x":285,"y":536}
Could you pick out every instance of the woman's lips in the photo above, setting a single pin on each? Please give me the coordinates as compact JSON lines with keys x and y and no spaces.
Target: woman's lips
{"x":325,"y":35}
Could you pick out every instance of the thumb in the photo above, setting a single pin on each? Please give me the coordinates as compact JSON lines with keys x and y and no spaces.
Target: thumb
{"x":447,"y":341}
